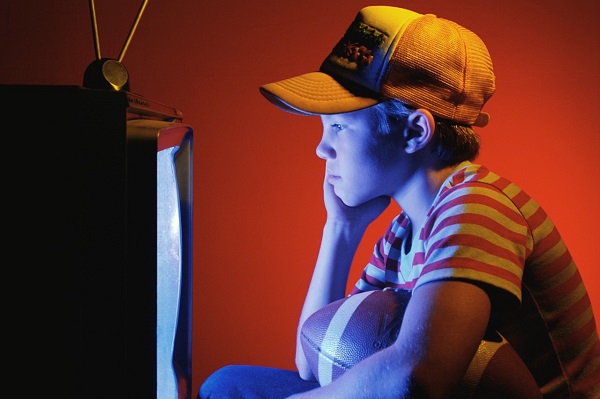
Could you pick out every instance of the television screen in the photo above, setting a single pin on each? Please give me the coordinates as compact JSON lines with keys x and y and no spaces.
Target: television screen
{"x":173,"y":266}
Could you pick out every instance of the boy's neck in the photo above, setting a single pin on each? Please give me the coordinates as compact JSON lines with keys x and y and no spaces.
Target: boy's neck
{"x":420,"y":191}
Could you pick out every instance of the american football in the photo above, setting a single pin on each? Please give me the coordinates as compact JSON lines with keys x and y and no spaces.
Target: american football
{"x":348,"y":330}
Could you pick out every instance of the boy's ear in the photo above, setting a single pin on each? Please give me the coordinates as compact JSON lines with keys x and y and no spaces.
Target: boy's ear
{"x":419,"y":130}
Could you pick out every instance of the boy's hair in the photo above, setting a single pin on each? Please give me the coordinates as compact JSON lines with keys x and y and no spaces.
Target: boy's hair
{"x":455,"y":143}
{"x":452,"y":143}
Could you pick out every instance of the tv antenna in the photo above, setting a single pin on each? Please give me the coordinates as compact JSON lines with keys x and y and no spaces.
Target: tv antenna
{"x":109,"y":73}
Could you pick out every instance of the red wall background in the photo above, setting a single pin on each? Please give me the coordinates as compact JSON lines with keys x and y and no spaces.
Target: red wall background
{"x":258,"y":211}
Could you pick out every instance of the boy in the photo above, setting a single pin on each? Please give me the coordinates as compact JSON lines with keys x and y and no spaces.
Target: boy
{"x":398,"y":98}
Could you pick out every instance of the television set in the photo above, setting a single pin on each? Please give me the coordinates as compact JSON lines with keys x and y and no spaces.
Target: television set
{"x":102,"y":197}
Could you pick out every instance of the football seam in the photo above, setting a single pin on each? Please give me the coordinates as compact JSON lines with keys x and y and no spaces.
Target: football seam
{"x":318,"y":350}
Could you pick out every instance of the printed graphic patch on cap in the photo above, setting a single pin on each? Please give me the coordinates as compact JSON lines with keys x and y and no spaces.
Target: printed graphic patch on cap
{"x":358,"y":44}
{"x":361,"y":56}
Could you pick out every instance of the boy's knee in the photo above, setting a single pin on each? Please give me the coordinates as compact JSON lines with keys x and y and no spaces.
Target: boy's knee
{"x":221,"y":384}
{"x":252,"y":382}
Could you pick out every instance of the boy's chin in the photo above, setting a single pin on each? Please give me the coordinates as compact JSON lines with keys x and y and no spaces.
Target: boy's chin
{"x":352,"y":201}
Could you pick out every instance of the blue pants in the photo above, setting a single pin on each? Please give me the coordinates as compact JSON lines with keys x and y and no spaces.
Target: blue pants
{"x":253,"y":382}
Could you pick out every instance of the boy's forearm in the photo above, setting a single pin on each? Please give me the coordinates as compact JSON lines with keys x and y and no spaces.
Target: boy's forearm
{"x":328,"y":283}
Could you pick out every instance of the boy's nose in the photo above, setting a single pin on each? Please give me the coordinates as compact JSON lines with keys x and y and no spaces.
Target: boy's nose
{"x":324,"y":150}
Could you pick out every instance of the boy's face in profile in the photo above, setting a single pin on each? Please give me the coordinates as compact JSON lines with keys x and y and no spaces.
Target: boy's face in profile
{"x":353,"y":152}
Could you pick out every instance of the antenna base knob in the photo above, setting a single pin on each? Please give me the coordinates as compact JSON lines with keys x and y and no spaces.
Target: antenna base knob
{"x":106,"y":73}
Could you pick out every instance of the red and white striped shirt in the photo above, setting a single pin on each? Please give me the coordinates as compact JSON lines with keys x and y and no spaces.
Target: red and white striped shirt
{"x":483,"y":228}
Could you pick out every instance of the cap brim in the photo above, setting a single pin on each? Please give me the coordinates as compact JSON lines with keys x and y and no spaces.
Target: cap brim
{"x":314,"y":93}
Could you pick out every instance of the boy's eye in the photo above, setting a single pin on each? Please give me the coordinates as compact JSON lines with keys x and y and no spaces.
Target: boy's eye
{"x":338,"y":126}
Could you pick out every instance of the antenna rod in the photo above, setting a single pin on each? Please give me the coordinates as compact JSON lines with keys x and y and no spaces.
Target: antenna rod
{"x":133,"y":28}
{"x":95,"y":29}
